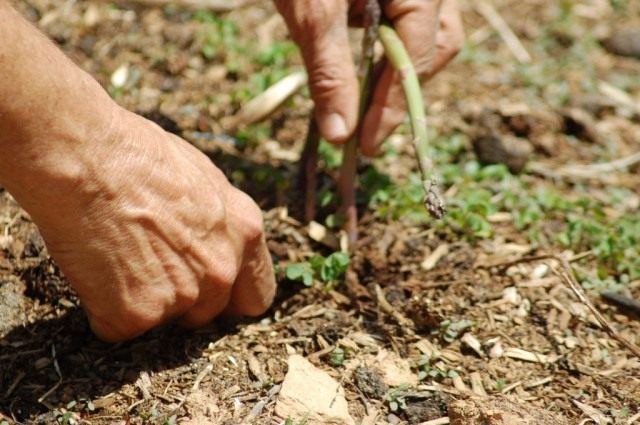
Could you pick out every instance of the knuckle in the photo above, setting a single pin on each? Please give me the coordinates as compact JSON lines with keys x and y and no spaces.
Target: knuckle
{"x":251,"y":223}
{"x":187,"y":295}
{"x":311,"y":19}
{"x":254,"y":230}
{"x":137,"y":320}
{"x":453,"y":42}
{"x":121,"y":326}
{"x":424,"y":64}
{"x":255,"y":310}
{"x":326,"y":78}
{"x":224,"y":270}
{"x":452,"y":31}
{"x":398,"y":8}
{"x":217,"y":210}
{"x":452,"y":49}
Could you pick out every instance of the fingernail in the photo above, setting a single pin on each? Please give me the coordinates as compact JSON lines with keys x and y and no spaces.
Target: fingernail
{"x":333,"y":128}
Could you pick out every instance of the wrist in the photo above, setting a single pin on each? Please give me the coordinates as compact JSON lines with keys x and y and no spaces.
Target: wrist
{"x":54,"y":117}
{"x":58,"y":151}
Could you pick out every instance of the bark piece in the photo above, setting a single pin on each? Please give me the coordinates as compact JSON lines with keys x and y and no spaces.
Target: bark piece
{"x":500,"y":410}
{"x":308,"y":392}
{"x":393,"y":369}
{"x":12,"y":307}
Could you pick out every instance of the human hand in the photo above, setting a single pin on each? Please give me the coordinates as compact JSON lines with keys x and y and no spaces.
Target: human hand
{"x":156,"y":233}
{"x":433,"y":35}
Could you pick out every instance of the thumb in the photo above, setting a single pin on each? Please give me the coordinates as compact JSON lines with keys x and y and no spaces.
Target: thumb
{"x":320,"y":29}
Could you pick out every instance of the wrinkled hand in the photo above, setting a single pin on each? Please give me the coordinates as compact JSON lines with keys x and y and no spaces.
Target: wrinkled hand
{"x":433,"y":35}
{"x":157,"y":233}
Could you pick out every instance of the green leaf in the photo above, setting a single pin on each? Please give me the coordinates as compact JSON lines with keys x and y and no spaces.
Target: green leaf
{"x":450,"y":331}
{"x":334,"y":266}
{"x":301,"y":272}
{"x":337,"y":357}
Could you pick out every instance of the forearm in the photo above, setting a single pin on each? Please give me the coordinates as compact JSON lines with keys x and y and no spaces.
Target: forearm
{"x":50,"y":109}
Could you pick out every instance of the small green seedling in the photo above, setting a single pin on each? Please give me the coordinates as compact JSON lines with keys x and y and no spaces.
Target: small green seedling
{"x":337,"y":357}
{"x":302,"y":421}
{"x":397,"y":397}
{"x":428,"y":370}
{"x":450,"y":331}
{"x":171,"y":420}
{"x":327,"y":270}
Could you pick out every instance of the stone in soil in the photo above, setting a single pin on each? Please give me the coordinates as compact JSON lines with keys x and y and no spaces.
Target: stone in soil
{"x":370,"y":382}
{"x":508,"y":150}
{"x":625,"y":42}
{"x":310,"y":393}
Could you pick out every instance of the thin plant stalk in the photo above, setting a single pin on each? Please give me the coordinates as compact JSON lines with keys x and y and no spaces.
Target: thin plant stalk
{"x":348,"y":169}
{"x":397,"y":55}
{"x":308,"y":171}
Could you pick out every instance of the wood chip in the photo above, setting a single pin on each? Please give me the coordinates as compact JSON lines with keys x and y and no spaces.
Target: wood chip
{"x":319,"y":233}
{"x":539,"y":383}
{"x":267,"y":102}
{"x":432,"y":259}
{"x":472,"y":342}
{"x":597,"y":416}
{"x":528,"y":356}
{"x":144,"y":384}
{"x":476,"y":384}
{"x":511,"y":387}
{"x":256,"y":368}
{"x":459,"y":384}
{"x":496,"y":350}
{"x":106,"y":401}
{"x":426,"y":347}
{"x":439,"y":421}
{"x":363,"y":339}
{"x":310,"y":392}
{"x":500,"y":410}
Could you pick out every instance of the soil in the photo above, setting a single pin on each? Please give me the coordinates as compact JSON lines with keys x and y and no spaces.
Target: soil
{"x":52,"y":369}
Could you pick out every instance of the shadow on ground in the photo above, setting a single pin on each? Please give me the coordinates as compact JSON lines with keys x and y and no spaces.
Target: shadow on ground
{"x":32,"y":355}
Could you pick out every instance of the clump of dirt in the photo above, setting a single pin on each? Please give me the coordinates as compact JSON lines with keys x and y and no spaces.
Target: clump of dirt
{"x":369,"y":382}
{"x":432,"y":408}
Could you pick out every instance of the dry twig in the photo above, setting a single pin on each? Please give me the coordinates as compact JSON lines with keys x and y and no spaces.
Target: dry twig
{"x":500,"y":25}
{"x":308,"y":169}
{"x":196,"y":384}
{"x":42,"y":399}
{"x":348,"y":170}
{"x":601,"y":171}
{"x":406,"y":323}
{"x":567,"y":277}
